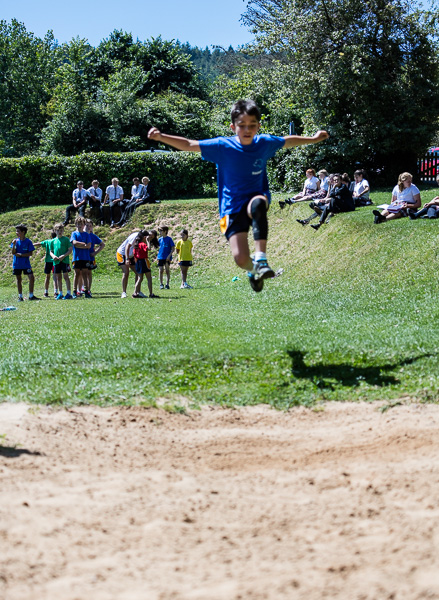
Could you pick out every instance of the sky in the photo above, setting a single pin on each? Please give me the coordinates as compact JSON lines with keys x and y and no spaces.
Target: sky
{"x":199,"y":22}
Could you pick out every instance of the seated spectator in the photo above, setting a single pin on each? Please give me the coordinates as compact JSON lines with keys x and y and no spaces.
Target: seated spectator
{"x":114,"y":197}
{"x":79,"y":202}
{"x":311,"y":185}
{"x":95,"y":199}
{"x":319,"y":206}
{"x":406,"y":198}
{"x":430,"y":210}
{"x":361,"y":189}
{"x":340,"y":200}
{"x":140,"y":194}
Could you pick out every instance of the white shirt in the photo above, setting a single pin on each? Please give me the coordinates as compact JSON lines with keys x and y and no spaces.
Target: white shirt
{"x":79,"y":195}
{"x":130,"y":240}
{"x":360,"y":186}
{"x":407,"y":195}
{"x":311,"y":184}
{"x":97,"y":192}
{"x":114,"y":193}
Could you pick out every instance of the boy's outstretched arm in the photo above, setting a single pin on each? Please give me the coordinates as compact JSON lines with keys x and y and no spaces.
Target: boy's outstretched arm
{"x":303,"y":140}
{"x":175,"y":141}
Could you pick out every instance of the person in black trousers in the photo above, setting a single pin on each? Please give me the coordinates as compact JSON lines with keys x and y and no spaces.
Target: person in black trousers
{"x":340,"y":201}
{"x":79,"y":202}
{"x":141,"y":193}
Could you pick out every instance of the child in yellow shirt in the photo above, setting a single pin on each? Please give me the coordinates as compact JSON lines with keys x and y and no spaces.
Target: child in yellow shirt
{"x":184,"y":251}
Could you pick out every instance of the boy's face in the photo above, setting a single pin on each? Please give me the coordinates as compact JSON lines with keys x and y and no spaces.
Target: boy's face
{"x":163,"y":232}
{"x":183,"y":236}
{"x":20,"y":234}
{"x":245,"y":127}
{"x":89,"y":227}
{"x":59,"y":232}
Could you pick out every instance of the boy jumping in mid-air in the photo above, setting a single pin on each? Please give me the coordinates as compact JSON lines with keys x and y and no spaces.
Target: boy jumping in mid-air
{"x":243,"y":190}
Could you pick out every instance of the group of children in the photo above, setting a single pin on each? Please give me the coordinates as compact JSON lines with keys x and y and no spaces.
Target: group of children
{"x":84,"y":245}
{"x":244,"y":199}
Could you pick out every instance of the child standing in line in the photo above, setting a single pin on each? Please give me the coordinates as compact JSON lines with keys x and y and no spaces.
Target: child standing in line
{"x":143,"y":267}
{"x":95,"y":240}
{"x":164,"y":255}
{"x":184,"y":251}
{"x":22,"y":249}
{"x":243,"y":189}
{"x":48,"y":266}
{"x":60,"y":250}
{"x":81,"y":257}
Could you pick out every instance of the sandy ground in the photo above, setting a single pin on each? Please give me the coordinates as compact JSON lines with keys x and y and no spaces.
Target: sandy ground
{"x":112,"y":504}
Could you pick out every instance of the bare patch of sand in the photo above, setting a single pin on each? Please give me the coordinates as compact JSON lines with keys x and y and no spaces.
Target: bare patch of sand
{"x":120,"y":503}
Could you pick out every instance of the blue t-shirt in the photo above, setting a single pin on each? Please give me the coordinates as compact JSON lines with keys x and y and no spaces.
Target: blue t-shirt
{"x":22,"y":247}
{"x":242,"y":170}
{"x":166,"y":244}
{"x":94,"y":240}
{"x":80,"y":253}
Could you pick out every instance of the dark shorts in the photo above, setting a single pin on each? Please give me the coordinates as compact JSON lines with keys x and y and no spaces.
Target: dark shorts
{"x":162,"y":262}
{"x":62,"y":267}
{"x":121,"y":260}
{"x":141,"y":266}
{"x":81,"y":265}
{"x":238,"y":222}
{"x":22,"y":271}
{"x":48,"y":268}
{"x":185,"y":263}
{"x":92,"y":265}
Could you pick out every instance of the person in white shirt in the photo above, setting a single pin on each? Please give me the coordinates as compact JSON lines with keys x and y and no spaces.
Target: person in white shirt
{"x":361,"y":189}
{"x":114,"y":196}
{"x":311,"y":185}
{"x":406,"y":198}
{"x":95,"y":198}
{"x":79,"y":202}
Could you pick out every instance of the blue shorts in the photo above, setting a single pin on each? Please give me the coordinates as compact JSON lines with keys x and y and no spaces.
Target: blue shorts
{"x":141,"y":266}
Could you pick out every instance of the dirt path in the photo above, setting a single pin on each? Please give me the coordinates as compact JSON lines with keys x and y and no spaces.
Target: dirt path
{"x":127,"y":504}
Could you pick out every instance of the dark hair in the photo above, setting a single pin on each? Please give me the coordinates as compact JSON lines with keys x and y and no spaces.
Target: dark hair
{"x":361,"y":172}
{"x":345,"y":177}
{"x":139,"y":237}
{"x":154,"y":241}
{"x":21,"y":227}
{"x":184,"y":232}
{"x":164,"y":228}
{"x":245,"y":107}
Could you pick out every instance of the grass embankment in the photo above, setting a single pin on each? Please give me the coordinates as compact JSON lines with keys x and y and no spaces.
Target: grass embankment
{"x":352,"y":317}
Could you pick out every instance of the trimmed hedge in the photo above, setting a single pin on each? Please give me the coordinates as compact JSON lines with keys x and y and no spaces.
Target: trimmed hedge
{"x":35,"y":180}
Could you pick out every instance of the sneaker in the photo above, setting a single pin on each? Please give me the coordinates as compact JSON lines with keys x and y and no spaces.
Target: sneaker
{"x":282,"y":204}
{"x":261,"y":270}
{"x":46,"y":294}
{"x":75,"y":295}
{"x":412,"y":216}
{"x":123,"y":295}
{"x":68,"y":296}
{"x":34,"y":298}
{"x":182,"y":286}
{"x":136,"y":296}
{"x":378,"y":217}
{"x":141,"y":295}
{"x":88,"y":294}
{"x":21,"y":299}
{"x":153,"y":296}
{"x":55,"y":294}
{"x":302,"y":221}
{"x":256,"y":284}
{"x":187,"y":286}
{"x":290,"y":201}
{"x":60,"y":296}
{"x":315,"y":227}
{"x":162,"y":287}
{"x":167,"y":287}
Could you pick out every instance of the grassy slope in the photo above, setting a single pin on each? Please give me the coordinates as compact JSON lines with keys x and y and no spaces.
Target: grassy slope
{"x":352,"y":317}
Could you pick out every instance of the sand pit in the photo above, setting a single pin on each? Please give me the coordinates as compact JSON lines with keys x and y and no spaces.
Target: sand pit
{"x":117,"y":503}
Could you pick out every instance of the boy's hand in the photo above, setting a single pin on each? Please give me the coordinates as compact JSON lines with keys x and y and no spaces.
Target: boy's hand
{"x":321,"y":135}
{"x":154,"y":133}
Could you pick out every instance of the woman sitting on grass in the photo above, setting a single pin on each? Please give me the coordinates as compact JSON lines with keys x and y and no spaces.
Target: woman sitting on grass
{"x":340,"y":200}
{"x":406,"y":198}
{"x":430,"y":210}
{"x":319,"y":206}
{"x":311,"y":185}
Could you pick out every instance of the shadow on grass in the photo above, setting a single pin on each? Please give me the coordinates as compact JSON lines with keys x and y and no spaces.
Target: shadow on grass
{"x":323,"y":375}
{"x":11,"y":452}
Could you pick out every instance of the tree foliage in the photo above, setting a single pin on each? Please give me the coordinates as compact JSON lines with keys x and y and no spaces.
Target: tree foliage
{"x":368,"y":71}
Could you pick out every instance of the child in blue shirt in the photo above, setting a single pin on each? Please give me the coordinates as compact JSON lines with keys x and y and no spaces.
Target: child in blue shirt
{"x":22,"y":249}
{"x":243,"y":190}
{"x":81,"y":258}
{"x":95,"y":241}
{"x":164,"y":255}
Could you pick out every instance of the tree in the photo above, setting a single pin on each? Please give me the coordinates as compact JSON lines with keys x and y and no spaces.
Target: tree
{"x":27,"y":67}
{"x":367,"y":71}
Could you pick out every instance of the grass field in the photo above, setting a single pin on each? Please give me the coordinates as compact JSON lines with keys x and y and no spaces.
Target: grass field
{"x":353,"y":316}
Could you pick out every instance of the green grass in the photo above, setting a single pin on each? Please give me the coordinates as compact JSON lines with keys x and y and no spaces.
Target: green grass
{"x":354,"y":316}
